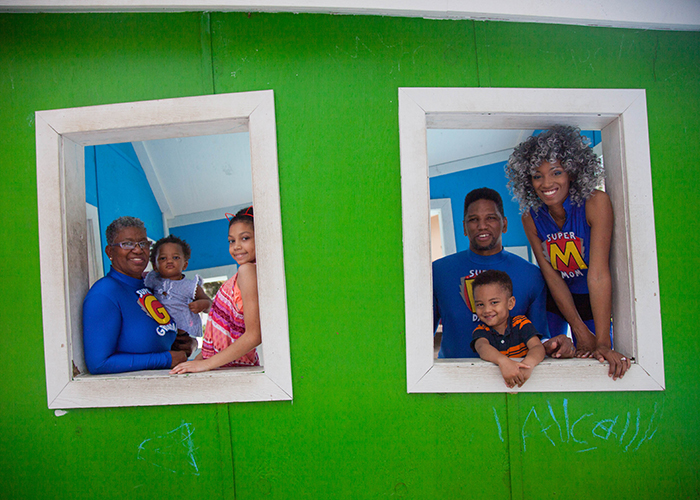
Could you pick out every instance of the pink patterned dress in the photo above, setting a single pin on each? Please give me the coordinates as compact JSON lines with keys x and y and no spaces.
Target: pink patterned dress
{"x":226,"y":324}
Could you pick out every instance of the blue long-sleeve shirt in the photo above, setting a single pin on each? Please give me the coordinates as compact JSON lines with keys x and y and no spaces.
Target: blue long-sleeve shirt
{"x":125,"y":328}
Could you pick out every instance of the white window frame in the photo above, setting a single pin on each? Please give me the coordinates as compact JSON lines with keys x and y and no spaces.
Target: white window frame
{"x":621,"y":115}
{"x":61,"y":136}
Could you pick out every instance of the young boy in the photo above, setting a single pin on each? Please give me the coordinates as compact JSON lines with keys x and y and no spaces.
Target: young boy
{"x":500,"y":337}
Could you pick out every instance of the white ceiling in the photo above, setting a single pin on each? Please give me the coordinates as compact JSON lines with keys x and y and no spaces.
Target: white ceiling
{"x":197,"y":179}
{"x":450,"y":150}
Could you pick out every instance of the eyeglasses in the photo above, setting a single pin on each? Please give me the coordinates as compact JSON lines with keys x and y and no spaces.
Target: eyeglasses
{"x":130,"y":245}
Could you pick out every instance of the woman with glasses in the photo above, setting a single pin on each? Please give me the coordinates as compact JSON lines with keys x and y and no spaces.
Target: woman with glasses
{"x":125,"y":328}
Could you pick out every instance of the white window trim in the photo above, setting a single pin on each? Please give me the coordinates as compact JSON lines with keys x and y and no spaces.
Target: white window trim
{"x":60,"y":138}
{"x":621,"y":115}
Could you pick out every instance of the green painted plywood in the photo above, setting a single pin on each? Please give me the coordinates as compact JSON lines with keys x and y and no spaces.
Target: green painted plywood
{"x":65,"y":61}
{"x":667,"y":66}
{"x":355,"y":430}
{"x":352,"y":431}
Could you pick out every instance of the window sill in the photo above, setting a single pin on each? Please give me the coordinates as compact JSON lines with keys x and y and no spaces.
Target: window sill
{"x":158,"y":387}
{"x":551,"y":375}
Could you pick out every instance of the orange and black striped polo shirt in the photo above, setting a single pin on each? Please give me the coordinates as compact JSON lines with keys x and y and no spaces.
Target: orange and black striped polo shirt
{"x":513,"y":343}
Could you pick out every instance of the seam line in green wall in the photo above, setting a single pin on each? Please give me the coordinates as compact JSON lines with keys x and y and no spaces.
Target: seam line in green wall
{"x":515,"y":458}
{"x":208,"y":83}
{"x":228,"y":488}
{"x":482,"y":60}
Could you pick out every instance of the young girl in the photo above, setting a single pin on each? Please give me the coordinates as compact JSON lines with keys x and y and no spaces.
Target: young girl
{"x":229,"y":340}
{"x":183,"y":298}
{"x":568,"y":223}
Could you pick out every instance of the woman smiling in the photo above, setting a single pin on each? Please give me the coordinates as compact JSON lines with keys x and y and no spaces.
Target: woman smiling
{"x":568,"y":222}
{"x":125,"y":328}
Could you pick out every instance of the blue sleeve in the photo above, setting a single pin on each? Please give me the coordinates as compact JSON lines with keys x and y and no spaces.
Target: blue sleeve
{"x":537,"y":312}
{"x":436,"y":313}
{"x":102,"y":323}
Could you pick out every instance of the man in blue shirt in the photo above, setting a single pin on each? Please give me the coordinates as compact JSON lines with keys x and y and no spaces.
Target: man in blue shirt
{"x":453,"y":299}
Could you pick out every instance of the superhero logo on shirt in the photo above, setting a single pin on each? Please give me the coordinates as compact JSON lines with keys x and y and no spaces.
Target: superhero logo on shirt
{"x":467,"y":291}
{"x":152,"y":306}
{"x":564,"y":250}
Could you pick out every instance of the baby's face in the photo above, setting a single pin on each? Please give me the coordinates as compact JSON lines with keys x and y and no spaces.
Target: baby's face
{"x":170,"y":261}
{"x":493,"y":304}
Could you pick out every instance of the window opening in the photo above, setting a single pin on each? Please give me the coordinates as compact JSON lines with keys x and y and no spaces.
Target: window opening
{"x":62,"y":136}
{"x":621,"y":117}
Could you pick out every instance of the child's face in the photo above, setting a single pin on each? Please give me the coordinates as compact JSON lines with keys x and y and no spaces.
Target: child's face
{"x":170,"y":261}
{"x":241,"y":242}
{"x":493,"y":305}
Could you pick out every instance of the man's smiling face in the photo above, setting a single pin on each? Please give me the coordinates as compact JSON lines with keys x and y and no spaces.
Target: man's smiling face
{"x":484,"y":225}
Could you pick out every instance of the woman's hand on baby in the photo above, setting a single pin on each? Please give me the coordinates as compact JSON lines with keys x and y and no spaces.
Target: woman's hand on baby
{"x":185,"y":343}
{"x":178,"y":357}
{"x":198,"y":365}
{"x":198,"y":306}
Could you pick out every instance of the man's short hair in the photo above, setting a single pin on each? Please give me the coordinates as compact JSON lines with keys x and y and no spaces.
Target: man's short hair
{"x":483,"y":193}
{"x":494,"y":277}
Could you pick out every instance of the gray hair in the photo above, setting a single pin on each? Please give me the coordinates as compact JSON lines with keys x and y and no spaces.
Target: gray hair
{"x":122,"y":223}
{"x":563,"y":143}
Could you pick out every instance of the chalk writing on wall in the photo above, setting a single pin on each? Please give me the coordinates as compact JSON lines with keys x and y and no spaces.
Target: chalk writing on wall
{"x":586,"y":431}
{"x":172,"y":450}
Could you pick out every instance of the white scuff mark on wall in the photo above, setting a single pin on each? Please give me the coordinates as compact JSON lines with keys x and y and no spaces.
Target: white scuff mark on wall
{"x":169,"y":450}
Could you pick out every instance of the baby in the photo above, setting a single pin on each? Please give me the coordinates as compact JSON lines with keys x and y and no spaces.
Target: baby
{"x":500,"y":337}
{"x":183,"y":298}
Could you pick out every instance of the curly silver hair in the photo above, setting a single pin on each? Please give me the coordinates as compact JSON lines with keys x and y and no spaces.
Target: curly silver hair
{"x":563,"y":143}
{"x":122,"y":223}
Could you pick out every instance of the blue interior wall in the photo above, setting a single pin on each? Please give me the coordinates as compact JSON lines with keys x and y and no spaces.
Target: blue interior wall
{"x":455,"y":186}
{"x":208,"y":241}
{"x":121,"y":188}
{"x":114,"y":169}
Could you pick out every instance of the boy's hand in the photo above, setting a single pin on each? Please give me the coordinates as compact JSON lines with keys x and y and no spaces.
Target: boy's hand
{"x":526,"y":374}
{"x":512,"y":373}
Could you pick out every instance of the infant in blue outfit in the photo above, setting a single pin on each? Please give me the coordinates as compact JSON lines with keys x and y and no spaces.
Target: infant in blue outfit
{"x":183,"y":298}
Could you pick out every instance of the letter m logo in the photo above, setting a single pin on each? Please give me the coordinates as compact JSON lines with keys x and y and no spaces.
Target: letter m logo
{"x":566,"y":254}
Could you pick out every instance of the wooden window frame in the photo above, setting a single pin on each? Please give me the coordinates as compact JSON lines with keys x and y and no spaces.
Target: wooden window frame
{"x":621,"y":115}
{"x":61,"y":136}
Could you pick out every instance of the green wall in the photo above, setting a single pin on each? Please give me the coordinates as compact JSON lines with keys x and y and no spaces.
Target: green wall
{"x":351,"y":431}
